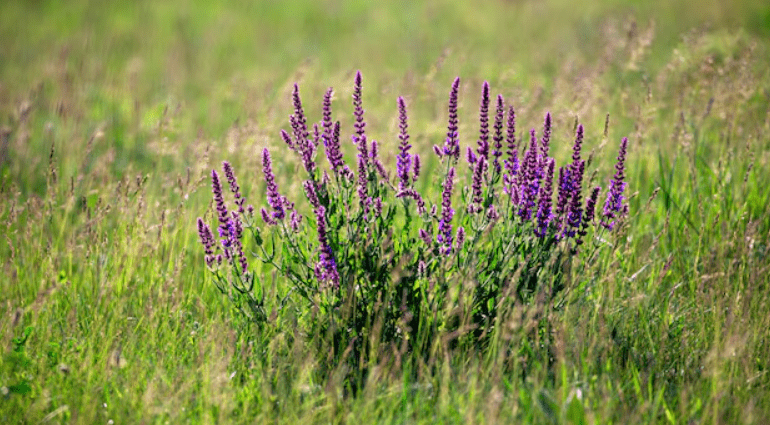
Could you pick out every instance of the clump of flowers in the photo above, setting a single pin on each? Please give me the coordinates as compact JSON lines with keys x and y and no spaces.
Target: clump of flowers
{"x":382,"y":253}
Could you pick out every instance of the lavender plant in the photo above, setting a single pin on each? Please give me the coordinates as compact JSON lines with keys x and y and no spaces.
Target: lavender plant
{"x":379,"y":262}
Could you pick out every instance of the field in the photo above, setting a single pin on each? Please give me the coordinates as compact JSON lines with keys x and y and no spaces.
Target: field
{"x":112,"y":117}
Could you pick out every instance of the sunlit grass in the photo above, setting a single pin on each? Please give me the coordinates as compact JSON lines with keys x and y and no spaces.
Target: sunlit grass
{"x":112,"y":117}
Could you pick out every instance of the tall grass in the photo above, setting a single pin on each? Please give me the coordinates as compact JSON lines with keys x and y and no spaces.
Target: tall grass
{"x":107,"y":144}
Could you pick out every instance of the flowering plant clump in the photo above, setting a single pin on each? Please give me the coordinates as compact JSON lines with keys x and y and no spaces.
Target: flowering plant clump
{"x":379,"y":261}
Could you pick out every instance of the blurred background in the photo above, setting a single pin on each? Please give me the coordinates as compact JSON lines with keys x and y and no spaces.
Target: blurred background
{"x":205,"y":69}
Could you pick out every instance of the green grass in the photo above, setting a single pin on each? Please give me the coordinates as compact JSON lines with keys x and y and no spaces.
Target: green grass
{"x":111,"y":118}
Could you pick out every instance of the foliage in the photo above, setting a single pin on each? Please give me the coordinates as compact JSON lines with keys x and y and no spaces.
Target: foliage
{"x":377,"y":264}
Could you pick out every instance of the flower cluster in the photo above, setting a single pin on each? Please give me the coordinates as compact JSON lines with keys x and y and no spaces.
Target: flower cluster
{"x":368,"y":249}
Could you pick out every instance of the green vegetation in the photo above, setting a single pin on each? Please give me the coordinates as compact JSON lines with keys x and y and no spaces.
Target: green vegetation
{"x":113,"y":116}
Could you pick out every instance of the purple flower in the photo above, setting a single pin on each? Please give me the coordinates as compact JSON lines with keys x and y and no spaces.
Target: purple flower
{"x":375,"y":156}
{"x":296,"y":220}
{"x":298,"y":120}
{"x":497,"y":152}
{"x":287,"y":139}
{"x":207,"y":240}
{"x":476,"y":186}
{"x":545,"y":201}
{"x":363,"y":148}
{"x":230,"y":175}
{"x":492,"y":214}
{"x":452,"y":143}
{"x":565,"y":191}
{"x":404,"y":160}
{"x":470,"y":156}
{"x":529,"y":179}
{"x":274,"y":199}
{"x":445,"y":225}
{"x":326,"y":260}
{"x":234,"y":242}
{"x":546,"y":140}
{"x":327,"y":115}
{"x":426,"y":237}
{"x":311,"y":194}
{"x":222,"y":214}
{"x":613,"y":207}
{"x":316,"y":136}
{"x":416,"y":169}
{"x":575,"y":210}
{"x":413,"y":194}
{"x":460,"y":238}
{"x":483,"y":142}
{"x":363,"y":181}
{"x":333,"y":152}
{"x":358,"y":106}
{"x":302,"y":143}
{"x":590,"y":211}
{"x":266,"y":217}
{"x":576,"y":147}
{"x":512,"y":162}
{"x":578,"y":144}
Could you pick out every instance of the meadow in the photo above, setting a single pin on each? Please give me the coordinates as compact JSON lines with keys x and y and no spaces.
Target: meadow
{"x":112,"y":118}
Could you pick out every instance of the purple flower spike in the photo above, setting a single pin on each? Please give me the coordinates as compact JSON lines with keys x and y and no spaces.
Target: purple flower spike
{"x":470,"y":156}
{"x":207,"y":240}
{"x":590,"y":211}
{"x":411,"y":193}
{"x":576,"y":147}
{"x":222,"y":214}
{"x":546,"y":140}
{"x":452,"y":144}
{"x":287,"y":139}
{"x":416,"y":168}
{"x":512,"y":160}
{"x":445,"y":225}
{"x":492,"y":214}
{"x":333,"y":152}
{"x":358,"y":105}
{"x":363,"y":181}
{"x":565,"y":191}
{"x":327,"y":114}
{"x":426,"y":237}
{"x":230,"y":175}
{"x":476,"y":186}
{"x":266,"y":217}
{"x":575,"y":210}
{"x":614,"y":207}
{"x":460,"y":238}
{"x":234,"y":244}
{"x":310,"y":192}
{"x":483,"y":142}
{"x":545,"y":201}
{"x":274,"y":199}
{"x":327,"y":262}
{"x":497,"y":150}
{"x":296,"y":220}
{"x":375,"y":155}
{"x":404,"y":160}
{"x":529,"y":181}
{"x":298,"y":120}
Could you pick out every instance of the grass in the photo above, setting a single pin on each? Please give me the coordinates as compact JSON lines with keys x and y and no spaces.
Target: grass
{"x":111,"y":118}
